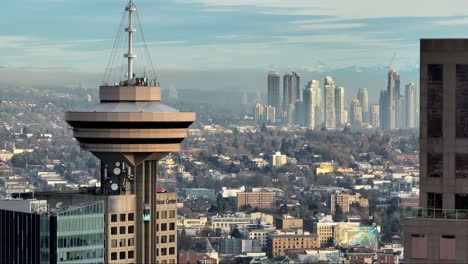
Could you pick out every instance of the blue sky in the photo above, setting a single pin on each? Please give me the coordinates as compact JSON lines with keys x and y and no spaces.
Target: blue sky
{"x":222,"y":34}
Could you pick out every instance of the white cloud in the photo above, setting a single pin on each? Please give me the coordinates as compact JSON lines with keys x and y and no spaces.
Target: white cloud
{"x":452,"y":22}
{"x":323,"y":26}
{"x":345,"y":9}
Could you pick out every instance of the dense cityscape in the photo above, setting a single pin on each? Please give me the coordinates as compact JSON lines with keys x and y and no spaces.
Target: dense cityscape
{"x":239,"y":185}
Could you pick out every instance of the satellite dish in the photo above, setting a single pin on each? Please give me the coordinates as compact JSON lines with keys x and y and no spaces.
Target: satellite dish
{"x":117,"y":164}
{"x":117,"y":171}
{"x":114,"y":187}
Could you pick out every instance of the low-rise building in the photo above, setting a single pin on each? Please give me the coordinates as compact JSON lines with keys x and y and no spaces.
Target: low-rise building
{"x":344,"y":200}
{"x":279,"y":244}
{"x":288,"y":222}
{"x":258,"y":199}
{"x":225,"y":223}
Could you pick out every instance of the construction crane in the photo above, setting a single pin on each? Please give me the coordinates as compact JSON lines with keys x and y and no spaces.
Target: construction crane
{"x":389,"y":66}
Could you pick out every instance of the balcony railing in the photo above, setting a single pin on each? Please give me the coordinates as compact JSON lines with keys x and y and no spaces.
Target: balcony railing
{"x":432,"y":213}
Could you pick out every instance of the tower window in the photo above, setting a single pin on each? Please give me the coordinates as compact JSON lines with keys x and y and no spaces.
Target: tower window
{"x":435,"y":94}
{"x":434,"y":200}
{"x":435,"y":165}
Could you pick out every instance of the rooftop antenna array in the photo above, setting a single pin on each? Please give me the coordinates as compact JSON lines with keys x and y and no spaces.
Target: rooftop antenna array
{"x":117,"y":69}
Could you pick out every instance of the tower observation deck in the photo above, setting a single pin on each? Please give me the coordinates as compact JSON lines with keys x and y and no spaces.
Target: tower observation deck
{"x":129,"y":130}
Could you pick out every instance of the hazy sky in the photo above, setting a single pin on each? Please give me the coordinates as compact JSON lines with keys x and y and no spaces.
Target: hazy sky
{"x":223,"y":34}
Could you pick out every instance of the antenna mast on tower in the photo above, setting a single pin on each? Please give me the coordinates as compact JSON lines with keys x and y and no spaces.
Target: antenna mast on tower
{"x":130,"y":29}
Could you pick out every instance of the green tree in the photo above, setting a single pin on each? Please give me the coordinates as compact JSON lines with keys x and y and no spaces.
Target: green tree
{"x":236,"y":233}
{"x":339,"y":215}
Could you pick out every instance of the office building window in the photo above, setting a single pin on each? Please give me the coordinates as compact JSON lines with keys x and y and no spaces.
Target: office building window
{"x":461,"y":201}
{"x":434,"y":100}
{"x":113,"y":218}
{"x":122,"y":217}
{"x":131,"y":254}
{"x":435,"y":165}
{"x":131,"y":216}
{"x":122,"y":254}
{"x":113,"y":230}
{"x":122,"y":230}
{"x":131,"y":242}
{"x":462,"y":101}
{"x":171,"y":226}
{"x":434,"y":200}
{"x":131,"y":229}
{"x":163,"y":251}
{"x":122,"y":242}
{"x":163,"y":214}
{"x":163,"y":239}
{"x":113,"y":255}
{"x":114,"y":243}
{"x":172,"y":251}
{"x":172,"y":214}
{"x":461,"y":165}
{"x":447,"y":249}
{"x":164,"y":227}
{"x":171,"y":238}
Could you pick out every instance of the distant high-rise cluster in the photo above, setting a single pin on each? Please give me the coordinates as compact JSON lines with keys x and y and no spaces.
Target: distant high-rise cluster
{"x":323,"y":107}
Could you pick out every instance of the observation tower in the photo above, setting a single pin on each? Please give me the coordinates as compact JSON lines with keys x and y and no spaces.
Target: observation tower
{"x":129,"y":130}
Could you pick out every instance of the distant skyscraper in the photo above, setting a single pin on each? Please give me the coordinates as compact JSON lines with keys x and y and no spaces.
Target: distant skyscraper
{"x":299,"y":113}
{"x":437,"y":231}
{"x":363,"y":96}
{"x":375,"y":116}
{"x":274,"y":89}
{"x":356,"y":113}
{"x":390,"y":120}
{"x":400,"y":112}
{"x":345,"y":116}
{"x":410,"y":102}
{"x":318,"y":104}
{"x":330,"y":117}
{"x":259,"y":111}
{"x":384,"y":109}
{"x":397,"y":86}
{"x":339,"y":106}
{"x":310,"y":93}
{"x":270,"y":114}
{"x":291,"y":93}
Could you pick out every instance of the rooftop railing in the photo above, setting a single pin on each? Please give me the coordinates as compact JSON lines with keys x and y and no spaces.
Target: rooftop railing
{"x":433,"y":213}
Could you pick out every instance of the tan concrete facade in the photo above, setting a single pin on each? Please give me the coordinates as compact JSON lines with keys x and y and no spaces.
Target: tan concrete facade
{"x":166,"y":230}
{"x":279,"y":244}
{"x":437,"y":232}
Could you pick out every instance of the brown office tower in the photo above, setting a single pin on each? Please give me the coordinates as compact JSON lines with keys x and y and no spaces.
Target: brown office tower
{"x":129,"y":130}
{"x":438,"y":231}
